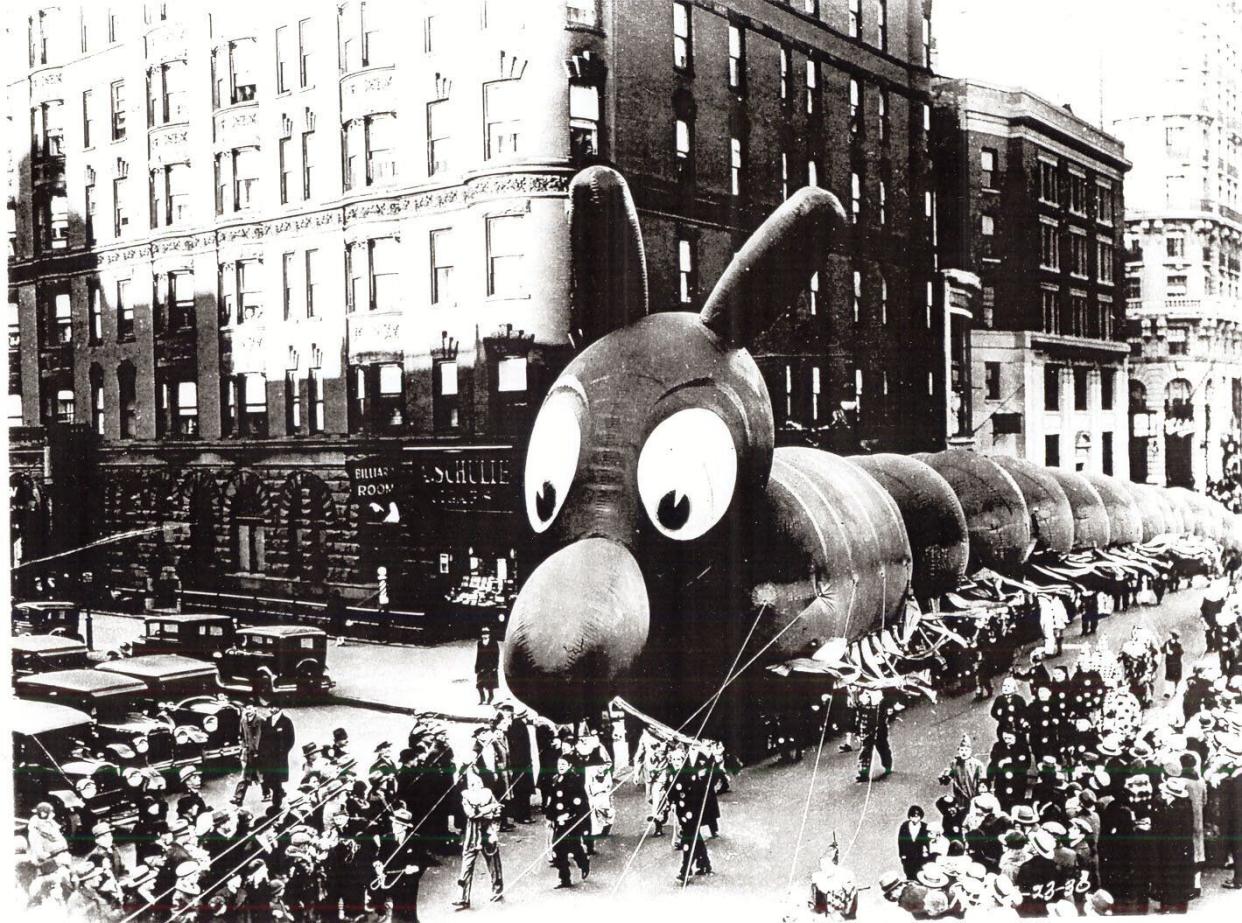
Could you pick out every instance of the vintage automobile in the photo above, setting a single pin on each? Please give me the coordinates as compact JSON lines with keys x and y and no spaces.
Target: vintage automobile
{"x":189,"y":691}
{"x":53,"y":762}
{"x":47,"y":618}
{"x":277,"y":660}
{"x":131,"y":727}
{"x":42,"y":653}
{"x":192,"y":634}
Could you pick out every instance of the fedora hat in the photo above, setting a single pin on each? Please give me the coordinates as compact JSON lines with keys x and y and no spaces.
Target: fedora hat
{"x":1024,"y":814}
{"x":1175,"y":787}
{"x":1044,"y":843}
{"x":1110,"y":745}
{"x":308,"y":749}
{"x":890,"y":882}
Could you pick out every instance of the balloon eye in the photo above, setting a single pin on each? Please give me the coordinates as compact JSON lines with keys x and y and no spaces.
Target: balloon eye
{"x":672,"y":512}
{"x":545,"y":501}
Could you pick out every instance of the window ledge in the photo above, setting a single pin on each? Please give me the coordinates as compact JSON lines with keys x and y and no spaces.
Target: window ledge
{"x":525,"y":297}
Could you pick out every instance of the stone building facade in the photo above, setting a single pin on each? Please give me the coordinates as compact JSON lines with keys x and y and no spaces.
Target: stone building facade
{"x":1177,"y":104}
{"x":305,"y":274}
{"x":1033,"y":204}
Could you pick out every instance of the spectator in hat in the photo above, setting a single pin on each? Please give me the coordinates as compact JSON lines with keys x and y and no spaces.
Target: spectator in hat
{"x":106,"y":854}
{"x":908,"y":895}
{"x":486,"y":666}
{"x":187,"y":889}
{"x":191,"y":804}
{"x":913,"y":842}
{"x":275,"y":742}
{"x":1038,"y":877}
{"x":89,"y":899}
{"x":1015,"y":851}
{"x":1173,"y":835}
{"x":1099,"y":904}
{"x":138,"y":890}
{"x":985,"y":825}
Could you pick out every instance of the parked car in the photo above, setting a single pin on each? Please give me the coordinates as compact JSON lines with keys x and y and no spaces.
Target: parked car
{"x":47,"y":618}
{"x":189,"y":689}
{"x":42,"y":653}
{"x":277,"y":660}
{"x":53,"y":762}
{"x":194,"y":635}
{"x":129,"y":728}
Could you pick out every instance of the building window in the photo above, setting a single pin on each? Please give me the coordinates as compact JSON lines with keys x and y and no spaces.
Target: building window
{"x":170,"y":196}
{"x":991,"y":381}
{"x":1077,"y":194}
{"x":221,"y":181}
{"x":584,"y":110}
{"x":1078,"y":253}
{"x":381,"y":142}
{"x":1078,"y":309}
{"x":293,"y":404}
{"x":856,"y":296}
{"x":882,"y":127}
{"x":927,"y":40}
{"x":987,"y":299}
{"x":389,"y":405}
{"x":987,"y":168}
{"x":63,"y":409}
{"x":124,"y":312}
{"x":282,"y":156}
{"x":682,"y":143}
{"x":95,"y":309}
{"x":286,"y":284}
{"x":242,"y":68}
{"x":812,"y":86}
{"x":812,"y":172}
{"x":314,"y":400}
{"x":687,"y":283}
{"x":89,"y":197}
{"x":62,"y":318}
{"x":308,"y":163}
{"x":1106,"y":317}
{"x":1105,"y":263}
{"x":1108,"y":381}
{"x":813,"y":294}
{"x":502,"y":126}
{"x":1080,"y":389}
{"x":88,"y":121}
{"x":735,"y":166}
{"x":1175,"y":246}
{"x":304,"y":53}
{"x":784,"y":176}
{"x":1049,"y":249}
{"x":120,"y":207}
{"x":444,"y":396}
{"x":855,"y":20}
{"x":1052,"y":450}
{"x":166,"y":93}
{"x":1106,"y":452}
{"x":1105,"y":203}
{"x":856,"y":118}
{"x":385,"y":274}
{"x":1048,"y":185}
{"x":438,"y":137}
{"x":737,"y":59}
{"x":228,"y":406}
{"x":883,"y":300}
{"x":250,"y":542}
{"x":881,"y":24}
{"x":987,"y":226}
{"x":855,"y":197}
{"x":118,"y":110}
{"x":246,"y":168}
{"x":253,"y":418}
{"x":786,"y":90}
{"x":505,"y":255}
{"x":282,"y":59}
{"x":97,"y":401}
{"x":127,"y":399}
{"x":178,"y":408}
{"x":682,"y":49}
{"x":312,"y":281}
{"x":1052,"y":387}
{"x":815,"y":393}
{"x":442,"y":260}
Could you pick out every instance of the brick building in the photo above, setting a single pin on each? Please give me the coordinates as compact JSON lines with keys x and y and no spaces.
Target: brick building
{"x":1032,"y":203}
{"x":305,"y":275}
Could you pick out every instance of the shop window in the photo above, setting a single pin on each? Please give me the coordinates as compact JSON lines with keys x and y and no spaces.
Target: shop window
{"x":445,"y":397}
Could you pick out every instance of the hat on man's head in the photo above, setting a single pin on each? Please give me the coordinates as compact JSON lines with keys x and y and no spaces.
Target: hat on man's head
{"x":1110,"y":745}
{"x":1044,"y":843}
{"x":382,"y":746}
{"x":1013,"y":839}
{"x":339,"y":735}
{"x":987,"y":803}
{"x":933,"y":876}
{"x":1024,"y":814}
{"x":890,"y":882}
{"x":1175,"y":787}
{"x":177,"y":825}
{"x":187,"y":868}
{"x":103,"y":828}
{"x":309,"y":749}
{"x":1102,"y":902}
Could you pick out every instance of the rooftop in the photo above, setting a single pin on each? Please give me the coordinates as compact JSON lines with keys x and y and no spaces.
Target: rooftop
{"x":158,"y":666}
{"x":46,"y":644}
{"x":32,"y":718}
{"x":282,"y":631}
{"x":189,"y":618}
{"x":88,"y":682}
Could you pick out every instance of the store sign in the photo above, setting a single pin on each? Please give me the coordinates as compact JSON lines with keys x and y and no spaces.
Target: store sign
{"x":467,"y":482}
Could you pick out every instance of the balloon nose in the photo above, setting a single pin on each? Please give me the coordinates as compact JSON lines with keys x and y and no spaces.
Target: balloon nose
{"x":577,"y":627}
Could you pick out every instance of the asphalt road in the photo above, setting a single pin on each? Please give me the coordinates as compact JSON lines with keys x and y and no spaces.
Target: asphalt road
{"x":776,"y":823}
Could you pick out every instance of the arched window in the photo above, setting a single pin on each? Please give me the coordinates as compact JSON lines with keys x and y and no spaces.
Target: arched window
{"x":248,"y":524}
{"x":308,"y":513}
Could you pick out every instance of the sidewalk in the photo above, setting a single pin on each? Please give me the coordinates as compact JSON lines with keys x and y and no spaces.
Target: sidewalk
{"x":438,"y":679}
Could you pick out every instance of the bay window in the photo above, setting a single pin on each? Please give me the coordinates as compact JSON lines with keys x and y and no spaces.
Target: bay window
{"x":246,"y":168}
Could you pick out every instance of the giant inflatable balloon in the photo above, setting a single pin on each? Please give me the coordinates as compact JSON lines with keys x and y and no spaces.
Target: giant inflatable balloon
{"x":678,"y":547}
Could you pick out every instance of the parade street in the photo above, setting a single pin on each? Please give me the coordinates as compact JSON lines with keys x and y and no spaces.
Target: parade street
{"x":771,"y":835}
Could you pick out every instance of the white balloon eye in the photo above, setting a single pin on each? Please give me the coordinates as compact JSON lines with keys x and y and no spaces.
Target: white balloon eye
{"x":687,"y":472}
{"x":552,"y":457}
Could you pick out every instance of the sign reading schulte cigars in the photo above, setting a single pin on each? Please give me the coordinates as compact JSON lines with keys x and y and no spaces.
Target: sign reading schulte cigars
{"x":468,"y":483}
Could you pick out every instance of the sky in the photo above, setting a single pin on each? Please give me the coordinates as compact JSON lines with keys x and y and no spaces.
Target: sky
{"x":1054,"y":48}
